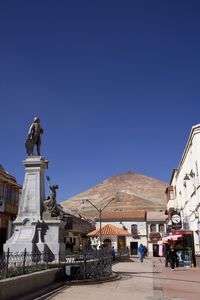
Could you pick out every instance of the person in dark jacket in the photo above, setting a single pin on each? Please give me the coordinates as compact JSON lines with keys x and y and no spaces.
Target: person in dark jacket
{"x":145,"y":251}
{"x":113,"y":253}
{"x":172,"y":257}
{"x":166,"y":255}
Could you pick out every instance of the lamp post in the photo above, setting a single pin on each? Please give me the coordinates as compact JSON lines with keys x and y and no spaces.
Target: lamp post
{"x":100,"y":210}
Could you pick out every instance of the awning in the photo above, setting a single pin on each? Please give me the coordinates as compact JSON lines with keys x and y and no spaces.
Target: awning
{"x":174,"y":237}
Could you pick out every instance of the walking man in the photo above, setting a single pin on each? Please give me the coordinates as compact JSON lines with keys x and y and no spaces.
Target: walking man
{"x":141,"y":252}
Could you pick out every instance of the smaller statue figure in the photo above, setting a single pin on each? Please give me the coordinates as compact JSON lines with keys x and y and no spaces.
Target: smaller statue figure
{"x":50,"y":204}
{"x":34,"y":137}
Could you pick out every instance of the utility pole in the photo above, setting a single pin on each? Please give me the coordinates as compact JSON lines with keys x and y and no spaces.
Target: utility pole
{"x":100,"y":210}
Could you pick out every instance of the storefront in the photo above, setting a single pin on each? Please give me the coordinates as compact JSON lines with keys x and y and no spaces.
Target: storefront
{"x":154,"y":238}
{"x":183,"y":242}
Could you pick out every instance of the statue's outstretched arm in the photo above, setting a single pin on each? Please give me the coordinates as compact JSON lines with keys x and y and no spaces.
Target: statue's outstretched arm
{"x":49,"y":185}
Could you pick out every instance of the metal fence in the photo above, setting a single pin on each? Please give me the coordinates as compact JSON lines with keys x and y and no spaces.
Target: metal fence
{"x":83,"y":265}
{"x":14,"y":264}
{"x":88,"y":265}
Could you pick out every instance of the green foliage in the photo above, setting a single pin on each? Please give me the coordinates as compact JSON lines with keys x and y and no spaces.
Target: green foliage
{"x":19,"y":270}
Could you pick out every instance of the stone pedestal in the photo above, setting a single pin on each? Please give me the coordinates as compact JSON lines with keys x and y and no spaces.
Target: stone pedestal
{"x":54,"y":238}
{"x":28,"y":221}
{"x":33,"y":192}
{"x":31,"y":231}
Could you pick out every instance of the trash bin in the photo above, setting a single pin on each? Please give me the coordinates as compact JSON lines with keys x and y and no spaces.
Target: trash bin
{"x":72,"y":272}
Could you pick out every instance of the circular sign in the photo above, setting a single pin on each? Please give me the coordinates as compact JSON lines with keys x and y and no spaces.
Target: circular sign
{"x":176,"y":218}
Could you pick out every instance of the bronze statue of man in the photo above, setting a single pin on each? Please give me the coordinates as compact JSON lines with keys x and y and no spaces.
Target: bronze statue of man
{"x":34,"y":137}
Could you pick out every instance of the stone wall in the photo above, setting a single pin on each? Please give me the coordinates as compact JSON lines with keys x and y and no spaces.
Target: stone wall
{"x":19,"y":286}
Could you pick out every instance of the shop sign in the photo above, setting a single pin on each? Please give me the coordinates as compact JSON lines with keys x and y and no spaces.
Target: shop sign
{"x":176,"y":220}
{"x":182,"y":232}
{"x":155,"y":236}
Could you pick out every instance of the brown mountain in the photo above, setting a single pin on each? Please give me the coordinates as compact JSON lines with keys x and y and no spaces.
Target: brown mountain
{"x":131,"y":191}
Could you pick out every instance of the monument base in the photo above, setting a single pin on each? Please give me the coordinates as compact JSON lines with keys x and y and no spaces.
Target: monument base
{"x":24,"y":238}
{"x":54,"y":238}
{"x":41,"y":237}
{"x":34,"y":229}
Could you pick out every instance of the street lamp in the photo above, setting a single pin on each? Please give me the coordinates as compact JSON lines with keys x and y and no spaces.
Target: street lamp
{"x":100,"y":210}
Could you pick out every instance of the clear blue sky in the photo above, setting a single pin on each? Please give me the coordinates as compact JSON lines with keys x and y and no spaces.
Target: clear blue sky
{"x":115,"y":83}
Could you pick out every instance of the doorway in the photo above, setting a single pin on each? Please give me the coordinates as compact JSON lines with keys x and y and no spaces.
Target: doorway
{"x":107,"y":243}
{"x":155,"y":250}
{"x":134,"y":248}
{"x":121,"y":242}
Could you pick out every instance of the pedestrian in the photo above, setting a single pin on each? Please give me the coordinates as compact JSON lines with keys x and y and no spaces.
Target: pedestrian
{"x":80,"y":247}
{"x":172,"y":257}
{"x":113,"y":253}
{"x":166,"y":255}
{"x":145,"y":251}
{"x":141,"y":252}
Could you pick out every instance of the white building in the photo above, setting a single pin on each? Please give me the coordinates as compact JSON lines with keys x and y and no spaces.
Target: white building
{"x":142,"y":227}
{"x":132,"y":221}
{"x":156,"y":229}
{"x":184,"y":191}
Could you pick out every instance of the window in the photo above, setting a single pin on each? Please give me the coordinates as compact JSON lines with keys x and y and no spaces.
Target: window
{"x":153,"y":228}
{"x":134,"y":229}
{"x":69,"y":223}
{"x":161,"y":228}
{"x":171,"y":195}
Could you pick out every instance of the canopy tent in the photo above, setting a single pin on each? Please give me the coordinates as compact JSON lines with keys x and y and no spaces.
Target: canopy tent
{"x":174,"y":237}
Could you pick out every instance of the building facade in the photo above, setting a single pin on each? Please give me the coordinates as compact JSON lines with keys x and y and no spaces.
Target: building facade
{"x":75,"y":232}
{"x":183,"y":193}
{"x":156,"y":230}
{"x":132,"y":221}
{"x":147,"y":228}
{"x":9,"y":200}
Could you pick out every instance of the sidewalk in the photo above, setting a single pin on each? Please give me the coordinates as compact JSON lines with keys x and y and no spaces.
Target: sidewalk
{"x":136,"y":283}
{"x":181,"y":284}
{"x":149,"y":280}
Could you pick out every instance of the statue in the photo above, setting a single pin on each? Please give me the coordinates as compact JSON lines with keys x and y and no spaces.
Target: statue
{"x":34,"y":137}
{"x":50,"y":204}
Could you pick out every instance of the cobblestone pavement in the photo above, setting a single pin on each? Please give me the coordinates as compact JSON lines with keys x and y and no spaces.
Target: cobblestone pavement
{"x":149,"y":280}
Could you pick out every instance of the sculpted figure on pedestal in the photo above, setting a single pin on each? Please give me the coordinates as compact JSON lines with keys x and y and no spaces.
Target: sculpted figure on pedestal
{"x":50,"y":204}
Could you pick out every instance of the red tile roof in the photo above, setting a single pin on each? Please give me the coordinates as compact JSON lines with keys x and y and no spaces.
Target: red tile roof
{"x":109,"y":230}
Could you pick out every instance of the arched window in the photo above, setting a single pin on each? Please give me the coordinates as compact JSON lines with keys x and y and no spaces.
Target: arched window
{"x":161,"y":228}
{"x":134,"y":229}
{"x":153,"y":228}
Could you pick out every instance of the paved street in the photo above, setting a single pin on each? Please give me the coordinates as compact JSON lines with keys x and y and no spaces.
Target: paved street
{"x":149,"y":280}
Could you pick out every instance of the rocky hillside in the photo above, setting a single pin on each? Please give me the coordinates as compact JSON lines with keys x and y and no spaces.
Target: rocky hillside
{"x":131,"y":191}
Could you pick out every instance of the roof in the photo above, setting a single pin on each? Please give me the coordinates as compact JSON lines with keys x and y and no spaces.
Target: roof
{"x":195,"y":130}
{"x":109,"y":230}
{"x":156,"y":216}
{"x":8,"y":178}
{"x":123,"y":215}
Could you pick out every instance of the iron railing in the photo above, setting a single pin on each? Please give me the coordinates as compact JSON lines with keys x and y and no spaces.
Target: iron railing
{"x":83,"y":265}
{"x":88,"y":265}
{"x":14,"y":264}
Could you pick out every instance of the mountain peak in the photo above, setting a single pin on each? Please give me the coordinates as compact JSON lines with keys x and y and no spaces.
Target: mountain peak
{"x":130,"y":191}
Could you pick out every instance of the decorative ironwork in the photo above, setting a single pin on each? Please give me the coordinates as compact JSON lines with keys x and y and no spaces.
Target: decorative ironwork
{"x":84,"y":265}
